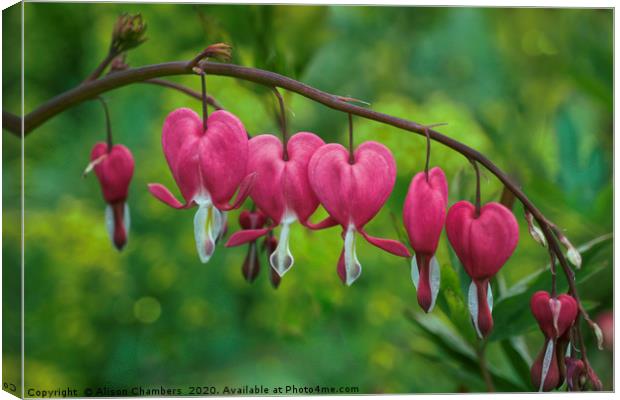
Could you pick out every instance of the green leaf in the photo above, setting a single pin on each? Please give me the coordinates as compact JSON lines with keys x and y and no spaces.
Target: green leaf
{"x":515,"y":351}
{"x":453,"y":347}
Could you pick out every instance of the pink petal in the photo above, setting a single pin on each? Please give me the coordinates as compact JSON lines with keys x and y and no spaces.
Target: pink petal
{"x":483,"y":243}
{"x":163,"y":194}
{"x":352,"y":192}
{"x":114,"y":171}
{"x":246,"y":235}
{"x":391,"y":246}
{"x":223,"y":156}
{"x":283,"y":185}
{"x":326,"y":223}
{"x":245,"y":187}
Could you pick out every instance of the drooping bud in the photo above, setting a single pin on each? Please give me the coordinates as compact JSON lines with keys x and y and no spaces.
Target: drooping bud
{"x":605,"y":321}
{"x":114,"y":169}
{"x":424,"y":215}
{"x":271,"y":244}
{"x":535,"y":231}
{"x":572,"y":253}
{"x":575,"y":374}
{"x":593,"y":380}
{"x":483,"y":244}
{"x":251,"y":264}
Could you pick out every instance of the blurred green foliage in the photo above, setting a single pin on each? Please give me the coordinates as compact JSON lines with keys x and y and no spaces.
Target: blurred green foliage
{"x":530,"y":88}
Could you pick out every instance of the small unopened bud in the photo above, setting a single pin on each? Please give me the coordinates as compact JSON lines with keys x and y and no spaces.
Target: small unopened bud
{"x":571,"y":252}
{"x":128,"y":33}
{"x":594,"y":380}
{"x":221,"y":51}
{"x":574,"y":257}
{"x":535,"y":231}
{"x":599,"y":335}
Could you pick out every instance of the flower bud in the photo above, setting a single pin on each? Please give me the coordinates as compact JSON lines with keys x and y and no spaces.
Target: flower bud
{"x":424,"y":215}
{"x":128,"y":33}
{"x":114,"y":169}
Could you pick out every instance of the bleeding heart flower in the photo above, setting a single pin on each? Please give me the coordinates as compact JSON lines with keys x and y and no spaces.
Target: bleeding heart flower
{"x":353,"y":192}
{"x":575,"y":374}
{"x":555,"y":316}
{"x":209,"y":166}
{"x":281,"y":189}
{"x":424,"y":214}
{"x":114,"y":169}
{"x":483,"y":243}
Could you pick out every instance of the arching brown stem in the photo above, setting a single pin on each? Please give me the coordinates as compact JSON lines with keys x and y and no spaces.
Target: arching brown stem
{"x":89,"y":90}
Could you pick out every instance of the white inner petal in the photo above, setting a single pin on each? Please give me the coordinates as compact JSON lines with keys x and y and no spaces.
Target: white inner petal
{"x":281,"y":259}
{"x":555,"y":305}
{"x":109,"y":222}
{"x":546,"y":364}
{"x":126,"y":220}
{"x":435,"y":278}
{"x":472,"y":302}
{"x":490,"y":297}
{"x":208,"y":223}
{"x":352,"y":265}
{"x":415,"y":274}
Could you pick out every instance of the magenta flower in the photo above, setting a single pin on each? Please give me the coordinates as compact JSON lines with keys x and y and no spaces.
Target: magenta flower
{"x":483,"y":243}
{"x":353,"y":190}
{"x":114,"y":169}
{"x":281,"y":190}
{"x":555,"y":317}
{"x":209,"y":166}
{"x":424,"y":215}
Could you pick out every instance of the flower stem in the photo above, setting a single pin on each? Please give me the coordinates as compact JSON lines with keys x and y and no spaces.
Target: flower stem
{"x":475,"y":165}
{"x":108,"y":125}
{"x":351,"y":154}
{"x":205,"y":110}
{"x":428,"y":152}
{"x":488,"y":380}
{"x":282,"y":123}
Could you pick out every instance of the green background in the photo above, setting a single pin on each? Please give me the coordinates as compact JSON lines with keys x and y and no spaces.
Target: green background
{"x":530,"y":88}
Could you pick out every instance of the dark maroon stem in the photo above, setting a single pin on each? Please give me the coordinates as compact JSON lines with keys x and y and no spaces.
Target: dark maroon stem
{"x":475,"y":165}
{"x":108,"y":125}
{"x":101,"y":67}
{"x":184,"y":89}
{"x":205,"y":109}
{"x":351,"y":153}
{"x":428,"y":153}
{"x":283,"y":128}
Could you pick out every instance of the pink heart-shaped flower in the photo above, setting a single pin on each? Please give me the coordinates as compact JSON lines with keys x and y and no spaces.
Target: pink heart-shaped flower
{"x":281,"y":189}
{"x":114,"y":170}
{"x":483,"y":243}
{"x":555,"y":316}
{"x":209,"y":166}
{"x":424,"y":215}
{"x":353,"y":193}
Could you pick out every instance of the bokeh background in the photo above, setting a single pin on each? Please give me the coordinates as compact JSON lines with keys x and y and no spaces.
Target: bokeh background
{"x":530,"y":88}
